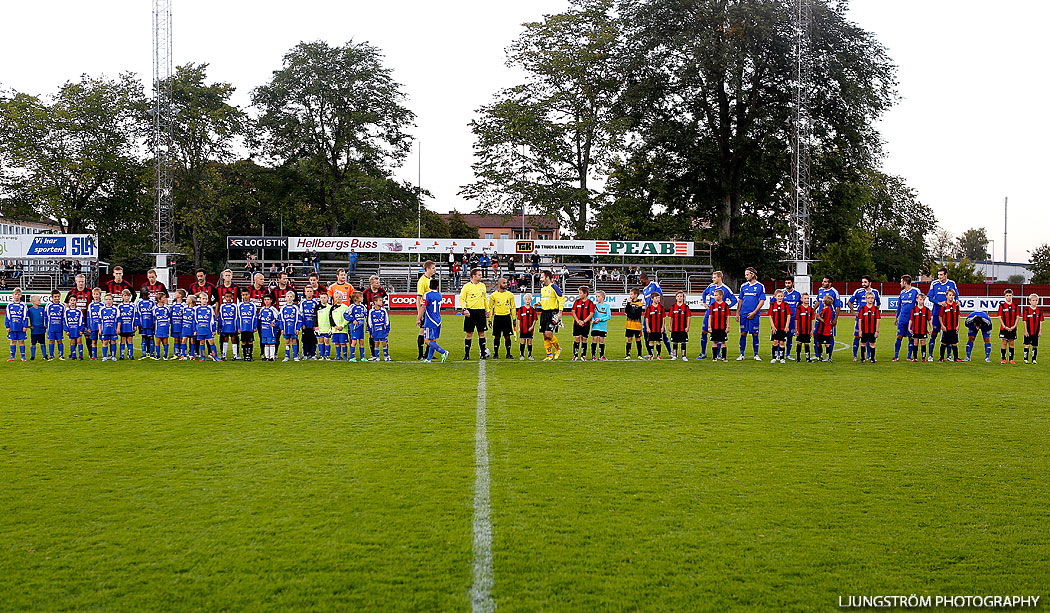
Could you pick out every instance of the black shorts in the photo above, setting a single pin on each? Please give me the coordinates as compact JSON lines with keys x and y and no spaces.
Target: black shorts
{"x":547,"y":321}
{"x":233,"y":337}
{"x":950,"y":337}
{"x":867,"y":337}
{"x":476,"y":319}
{"x":1008,"y":335}
{"x":823,"y":339}
{"x":680,"y":337}
{"x":598,"y":333}
{"x":127,"y":335}
{"x":720,"y":335}
{"x":804,"y":338}
{"x":629,"y":333}
{"x":37,"y":338}
{"x":778,"y":335}
{"x":247,"y":337}
{"x":654,"y":337}
{"x":578,"y":330}
{"x":502,"y":325}
{"x":918,"y":337}
{"x":525,"y":335}
{"x":1031,"y":339}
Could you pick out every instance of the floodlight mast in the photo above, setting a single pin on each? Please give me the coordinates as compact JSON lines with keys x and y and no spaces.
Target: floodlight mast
{"x":802,"y":133}
{"x":163,"y":141}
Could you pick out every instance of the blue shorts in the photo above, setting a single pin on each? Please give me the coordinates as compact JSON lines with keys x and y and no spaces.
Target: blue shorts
{"x":161,"y":332}
{"x":146,"y":330}
{"x":357,"y":333}
{"x":107,"y":337}
{"x":324,"y":335}
{"x":94,"y":335}
{"x":339,"y":338}
{"x":74,"y":334}
{"x":54,"y":336}
{"x":228,"y":331}
{"x":290,"y":334}
{"x":981,"y":327}
{"x":267,"y":339}
{"x":205,"y":336}
{"x":176,"y":331}
{"x":935,"y":319}
{"x":432,"y":333}
{"x":751,"y":326}
{"x":707,"y":313}
{"x":16,"y":336}
{"x":379,"y":339}
{"x":902,"y":325}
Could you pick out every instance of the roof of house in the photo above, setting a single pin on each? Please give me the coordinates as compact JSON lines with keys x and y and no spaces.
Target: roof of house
{"x":506,"y":221}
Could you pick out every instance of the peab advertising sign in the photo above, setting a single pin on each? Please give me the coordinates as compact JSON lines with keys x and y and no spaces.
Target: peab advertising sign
{"x":48,"y":246}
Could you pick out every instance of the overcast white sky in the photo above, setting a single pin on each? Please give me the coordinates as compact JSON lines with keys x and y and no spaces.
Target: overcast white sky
{"x":970,"y":129}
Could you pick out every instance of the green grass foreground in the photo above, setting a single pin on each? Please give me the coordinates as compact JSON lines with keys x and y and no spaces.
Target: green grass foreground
{"x":615,"y":486}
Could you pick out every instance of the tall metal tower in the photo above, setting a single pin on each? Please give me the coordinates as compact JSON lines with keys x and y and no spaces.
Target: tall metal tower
{"x":163,"y":142}
{"x":802,"y":132}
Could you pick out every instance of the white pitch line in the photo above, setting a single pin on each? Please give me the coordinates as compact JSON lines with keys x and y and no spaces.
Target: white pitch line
{"x":481,"y":592}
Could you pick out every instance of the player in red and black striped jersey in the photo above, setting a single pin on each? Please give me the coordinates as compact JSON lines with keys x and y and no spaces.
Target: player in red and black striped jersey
{"x":804,"y":315}
{"x":950,"y":327}
{"x":152,"y":286}
{"x":82,"y":293}
{"x":919,"y":329}
{"x":227,"y":286}
{"x":1033,"y":327}
{"x":258,"y":290}
{"x":117,"y":284}
{"x":1008,"y":319}
{"x":284,"y":287}
{"x":679,"y":315}
{"x":373,"y":291}
{"x":582,"y":314}
{"x":780,"y":323}
{"x":825,"y":330}
{"x":654,"y":324}
{"x":527,"y":317}
{"x":868,"y":318}
{"x":203,"y":285}
{"x":718,"y":324}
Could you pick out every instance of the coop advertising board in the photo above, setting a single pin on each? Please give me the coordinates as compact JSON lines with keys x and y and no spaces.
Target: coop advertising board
{"x":438,"y":246}
{"x":48,"y":247}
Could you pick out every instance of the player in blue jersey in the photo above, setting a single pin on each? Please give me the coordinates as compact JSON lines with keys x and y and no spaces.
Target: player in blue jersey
{"x":54,"y":315}
{"x":74,"y":324}
{"x":291,"y":322}
{"x":91,"y":321}
{"x":792,"y":297}
{"x":308,"y":308}
{"x":855,"y":302}
{"x":749,"y":311}
{"x":938,"y":295}
{"x":16,"y":318}
{"x":228,"y":326}
{"x":707,"y":298}
{"x":432,"y":322}
{"x":37,"y":328}
{"x":189,"y":327}
{"x":247,"y":323}
{"x":205,"y":326}
{"x":126,"y":325}
{"x":823,"y":292}
{"x":269,"y":328}
{"x":161,"y":325}
{"x":650,"y":289}
{"x":905,"y":305}
{"x":379,"y":329}
{"x":979,"y":321}
{"x":145,"y":319}
{"x":355,"y":316}
{"x":178,"y":313}
{"x":108,"y":322}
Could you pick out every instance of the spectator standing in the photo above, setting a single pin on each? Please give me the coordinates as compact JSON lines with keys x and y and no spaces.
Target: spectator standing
{"x":353,"y":261}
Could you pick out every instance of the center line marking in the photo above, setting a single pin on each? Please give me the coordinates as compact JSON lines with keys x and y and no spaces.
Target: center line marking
{"x":481,"y":592}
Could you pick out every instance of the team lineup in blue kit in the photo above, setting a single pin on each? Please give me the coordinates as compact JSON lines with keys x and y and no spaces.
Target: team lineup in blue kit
{"x":187,"y":326}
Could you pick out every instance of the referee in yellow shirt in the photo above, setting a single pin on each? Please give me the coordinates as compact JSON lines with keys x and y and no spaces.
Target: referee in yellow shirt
{"x":422,"y":287}
{"x":503,"y":315}
{"x":473,"y":300}
{"x":552,"y":303}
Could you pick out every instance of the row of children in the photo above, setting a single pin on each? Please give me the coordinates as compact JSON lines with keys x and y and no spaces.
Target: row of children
{"x":188,"y":327}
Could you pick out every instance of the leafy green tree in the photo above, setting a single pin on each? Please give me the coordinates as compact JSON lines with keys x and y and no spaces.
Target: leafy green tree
{"x":973,"y":244}
{"x":545,"y":142}
{"x":941,"y":245}
{"x":74,"y":155}
{"x":205,"y":131}
{"x":849,"y":259}
{"x":336,"y":116}
{"x":459,"y":228}
{"x":1040,"y":264}
{"x":963,"y":271}
{"x":898,"y":224}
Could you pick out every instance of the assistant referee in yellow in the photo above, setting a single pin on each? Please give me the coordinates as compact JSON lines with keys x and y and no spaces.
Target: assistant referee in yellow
{"x":552,"y":303}
{"x":473,"y":301}
{"x":503,"y":313}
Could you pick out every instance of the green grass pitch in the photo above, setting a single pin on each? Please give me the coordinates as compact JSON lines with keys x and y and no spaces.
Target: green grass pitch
{"x":623,"y":485}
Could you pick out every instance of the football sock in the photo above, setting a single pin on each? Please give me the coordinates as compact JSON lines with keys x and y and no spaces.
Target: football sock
{"x":594,"y":348}
{"x":51,"y":350}
{"x":548,"y":347}
{"x":481,"y":344}
{"x":667,"y":342}
{"x":897,"y":349}
{"x":629,"y":349}
{"x":987,"y":350}
{"x":703,"y":343}
{"x":430,"y":352}
{"x":435,"y":347}
{"x":12,"y":351}
{"x":386,"y":350}
{"x":743,"y":343}
{"x":361,"y":352}
{"x":1035,"y":350}
{"x":466,"y":346}
{"x":924,"y":350}
{"x":649,"y":349}
{"x":295,"y":351}
{"x":62,"y":350}
{"x":530,"y":351}
{"x":933,"y":340}
{"x":969,"y":349}
{"x":637,"y":343}
{"x":807,"y":351}
{"x":871,"y":353}
{"x":798,"y":352}
{"x":495,"y":344}
{"x":1002,"y":353}
{"x":683,"y":354}
{"x":1011,"y":352}
{"x":419,"y":345}
{"x":856,"y":345}
{"x":754,"y":343}
{"x":658,"y":348}
{"x":105,"y":352}
{"x":575,"y":349}
{"x":22,"y":352}
{"x":601,"y":350}
{"x":165,"y":350}
{"x":131,"y":350}
{"x":943,"y":348}
{"x":787,"y":350}
{"x":955,"y":352}
{"x":521,"y":350}
{"x":287,"y":352}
